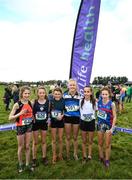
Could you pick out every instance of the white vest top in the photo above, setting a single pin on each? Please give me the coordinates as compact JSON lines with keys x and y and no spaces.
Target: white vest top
{"x":87,"y":111}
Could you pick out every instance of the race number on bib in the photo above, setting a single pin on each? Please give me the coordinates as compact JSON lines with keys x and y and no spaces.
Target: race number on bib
{"x":87,"y":117}
{"x":41,"y":115}
{"x":117,"y":96}
{"x":72,"y":108}
{"x":102,"y":114}
{"x":27,"y":121}
{"x":55,"y":114}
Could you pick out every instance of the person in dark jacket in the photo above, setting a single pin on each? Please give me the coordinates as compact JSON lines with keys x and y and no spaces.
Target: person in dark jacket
{"x":7,"y":98}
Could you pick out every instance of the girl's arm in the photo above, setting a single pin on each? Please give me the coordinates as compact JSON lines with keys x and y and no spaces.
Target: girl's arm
{"x":32,"y":103}
{"x":114,"y":115}
{"x":12,"y":115}
{"x":114,"y":119}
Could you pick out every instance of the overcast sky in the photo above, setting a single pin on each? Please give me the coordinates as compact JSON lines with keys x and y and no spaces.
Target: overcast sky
{"x":36,"y":39}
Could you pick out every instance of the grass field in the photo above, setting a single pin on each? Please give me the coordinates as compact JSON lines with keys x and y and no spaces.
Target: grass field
{"x":121,"y":155}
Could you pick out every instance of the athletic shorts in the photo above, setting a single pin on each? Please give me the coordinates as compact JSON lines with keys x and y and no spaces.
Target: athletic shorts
{"x":102,"y":127}
{"x":87,"y":126}
{"x":72,"y":120}
{"x":42,"y":125}
{"x":23,"y":129}
{"x":122,"y":98}
{"x":57,"y":124}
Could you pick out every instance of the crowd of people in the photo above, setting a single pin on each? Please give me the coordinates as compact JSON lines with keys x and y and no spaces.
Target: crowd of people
{"x":120,"y":95}
{"x":65,"y":111}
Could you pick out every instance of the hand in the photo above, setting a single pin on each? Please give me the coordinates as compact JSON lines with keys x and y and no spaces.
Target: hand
{"x":23,"y":111}
{"x":49,"y":123}
{"x":59,"y":117}
{"x":109,"y":131}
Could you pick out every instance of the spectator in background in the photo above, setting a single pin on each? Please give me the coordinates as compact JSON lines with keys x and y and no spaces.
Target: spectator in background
{"x":116,"y":94}
{"x":7,"y":98}
{"x":129,"y":93}
{"x":122,"y":97}
{"x":50,"y":95}
{"x":15,"y":94}
{"x":97,"y":95}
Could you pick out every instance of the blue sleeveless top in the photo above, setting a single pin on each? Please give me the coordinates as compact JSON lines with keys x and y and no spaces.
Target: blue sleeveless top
{"x":71,"y":104}
{"x":104,"y":114}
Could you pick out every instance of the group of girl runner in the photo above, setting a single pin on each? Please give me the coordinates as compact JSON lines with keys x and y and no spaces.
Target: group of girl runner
{"x":66,"y":111}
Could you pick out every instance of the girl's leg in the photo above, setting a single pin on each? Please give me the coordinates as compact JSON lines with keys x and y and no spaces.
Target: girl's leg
{"x":91,"y":136}
{"x":84,"y":141}
{"x":107,"y":148}
{"x":75,"y":136}
{"x":108,"y":137}
{"x":35,"y":143}
{"x":27,"y":141}
{"x":60,"y":135}
{"x":68,"y":136}
{"x":53,"y":134}
{"x":20,"y":140}
{"x":43,"y":138}
{"x":100,"y":144}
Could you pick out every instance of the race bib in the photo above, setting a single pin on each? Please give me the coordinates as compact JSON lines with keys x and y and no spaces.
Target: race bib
{"x":41,"y":116}
{"x":55,"y":114}
{"x":117,"y":96}
{"x":102,"y":114}
{"x":72,"y":108}
{"x":27,"y":121}
{"x":87,"y":117}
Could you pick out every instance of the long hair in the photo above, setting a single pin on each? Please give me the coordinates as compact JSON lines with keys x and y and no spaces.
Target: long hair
{"x":42,"y":87}
{"x":92,"y":99}
{"x":22,"y":89}
{"x":106,"y":88}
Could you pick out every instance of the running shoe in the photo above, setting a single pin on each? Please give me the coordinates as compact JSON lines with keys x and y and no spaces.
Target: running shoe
{"x":34,"y":162}
{"x":20,"y":168}
{"x":30,"y":168}
{"x":107,"y":163}
{"x":75,"y":157}
{"x":45,"y":161}
{"x":84,"y":160}
{"x":89,"y":158}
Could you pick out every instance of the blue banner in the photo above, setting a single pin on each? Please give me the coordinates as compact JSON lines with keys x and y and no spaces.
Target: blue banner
{"x":84,"y":42}
{"x":7,"y":127}
{"x":125,"y":130}
{"x":12,"y":126}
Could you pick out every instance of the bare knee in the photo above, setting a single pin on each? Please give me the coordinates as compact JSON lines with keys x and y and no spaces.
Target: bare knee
{"x":84,"y":141}
{"x":60,"y":141}
{"x":75,"y":138}
{"x":53,"y":141}
{"x":107,"y":146}
{"x":90,"y":142}
{"x":68,"y":138}
{"x":20,"y":148}
{"x":43,"y":142}
{"x":35,"y":143}
{"x":27,"y":147}
{"x":100,"y":144}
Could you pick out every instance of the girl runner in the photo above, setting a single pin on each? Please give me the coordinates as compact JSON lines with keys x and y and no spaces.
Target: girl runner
{"x":40,"y":111}
{"x":23,"y":115}
{"x":106,"y":121}
{"x":72,"y":116}
{"x":57,"y":123}
{"x":87,"y":123}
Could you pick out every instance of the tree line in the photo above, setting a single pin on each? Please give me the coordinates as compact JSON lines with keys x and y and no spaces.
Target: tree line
{"x":110,"y":80}
{"x":97,"y":80}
